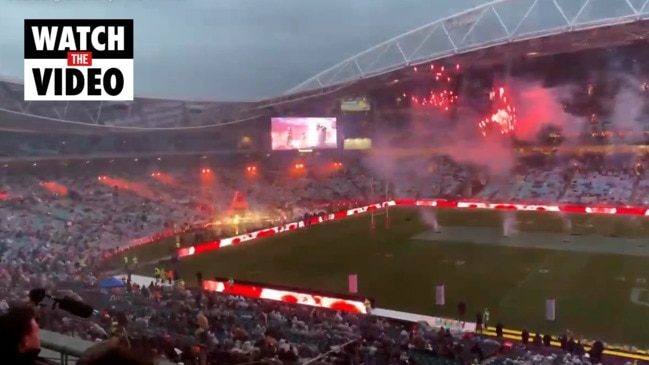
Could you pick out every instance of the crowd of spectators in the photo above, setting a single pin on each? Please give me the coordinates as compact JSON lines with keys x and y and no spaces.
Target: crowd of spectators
{"x":56,"y":226}
{"x":192,"y":327}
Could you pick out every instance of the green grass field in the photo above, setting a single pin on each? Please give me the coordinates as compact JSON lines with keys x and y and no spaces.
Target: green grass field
{"x":594,"y":292}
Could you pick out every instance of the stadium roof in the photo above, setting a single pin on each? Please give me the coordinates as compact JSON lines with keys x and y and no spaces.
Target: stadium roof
{"x":516,"y":26}
{"x":141,"y":114}
{"x":496,"y":23}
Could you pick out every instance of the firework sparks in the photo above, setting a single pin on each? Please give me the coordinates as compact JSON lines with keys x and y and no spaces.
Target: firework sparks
{"x":443,"y":97}
{"x":503,"y":117}
{"x":442,"y":100}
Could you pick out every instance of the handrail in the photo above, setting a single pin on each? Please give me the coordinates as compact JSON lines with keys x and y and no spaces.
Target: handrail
{"x":70,"y":347}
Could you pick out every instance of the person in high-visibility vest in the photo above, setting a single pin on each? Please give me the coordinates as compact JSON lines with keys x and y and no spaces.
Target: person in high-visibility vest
{"x":368,"y":306}
{"x":485,"y":318}
{"x":125,"y":260}
{"x":156,"y":273}
{"x":230,"y":284}
{"x":202,"y":322}
{"x":178,"y":245}
{"x":114,"y":329}
{"x":134,"y":260}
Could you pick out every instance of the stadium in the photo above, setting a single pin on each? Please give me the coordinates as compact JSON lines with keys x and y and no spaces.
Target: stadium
{"x":473,"y":190}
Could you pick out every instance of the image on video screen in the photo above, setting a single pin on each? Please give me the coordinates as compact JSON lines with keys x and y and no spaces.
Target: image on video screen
{"x":303,"y":133}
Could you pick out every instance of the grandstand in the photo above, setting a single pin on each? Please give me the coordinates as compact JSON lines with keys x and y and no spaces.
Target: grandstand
{"x":141,"y":114}
{"x":498,"y":153}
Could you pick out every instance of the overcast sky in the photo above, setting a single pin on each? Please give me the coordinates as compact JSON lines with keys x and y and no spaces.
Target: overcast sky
{"x":231,"y":49}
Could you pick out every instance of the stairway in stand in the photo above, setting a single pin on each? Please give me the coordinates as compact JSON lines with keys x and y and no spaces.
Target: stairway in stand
{"x":568,"y":184}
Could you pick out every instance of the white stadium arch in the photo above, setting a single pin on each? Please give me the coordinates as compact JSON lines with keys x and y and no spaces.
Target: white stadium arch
{"x":495,"y":23}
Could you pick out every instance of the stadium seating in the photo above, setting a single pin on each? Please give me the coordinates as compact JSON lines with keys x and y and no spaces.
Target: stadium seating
{"x":56,"y":227}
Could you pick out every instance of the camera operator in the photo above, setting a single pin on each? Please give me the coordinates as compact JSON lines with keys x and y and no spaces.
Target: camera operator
{"x":20,"y":341}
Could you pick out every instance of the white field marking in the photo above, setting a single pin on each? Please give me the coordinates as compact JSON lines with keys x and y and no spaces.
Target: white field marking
{"x":512,"y":293}
{"x":636,"y":296}
{"x":640,"y":281}
{"x":459,"y":263}
{"x":543,"y":271}
{"x":621,"y":278}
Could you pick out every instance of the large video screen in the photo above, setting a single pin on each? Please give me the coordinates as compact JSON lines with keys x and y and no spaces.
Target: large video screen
{"x":303,"y":133}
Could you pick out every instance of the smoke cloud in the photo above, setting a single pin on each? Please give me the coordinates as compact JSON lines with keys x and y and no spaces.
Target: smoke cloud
{"x":628,"y":109}
{"x":458,"y":136}
{"x":539,"y":107}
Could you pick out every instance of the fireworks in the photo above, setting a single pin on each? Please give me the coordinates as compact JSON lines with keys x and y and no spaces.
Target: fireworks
{"x":440,"y":99}
{"x":503,"y":117}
